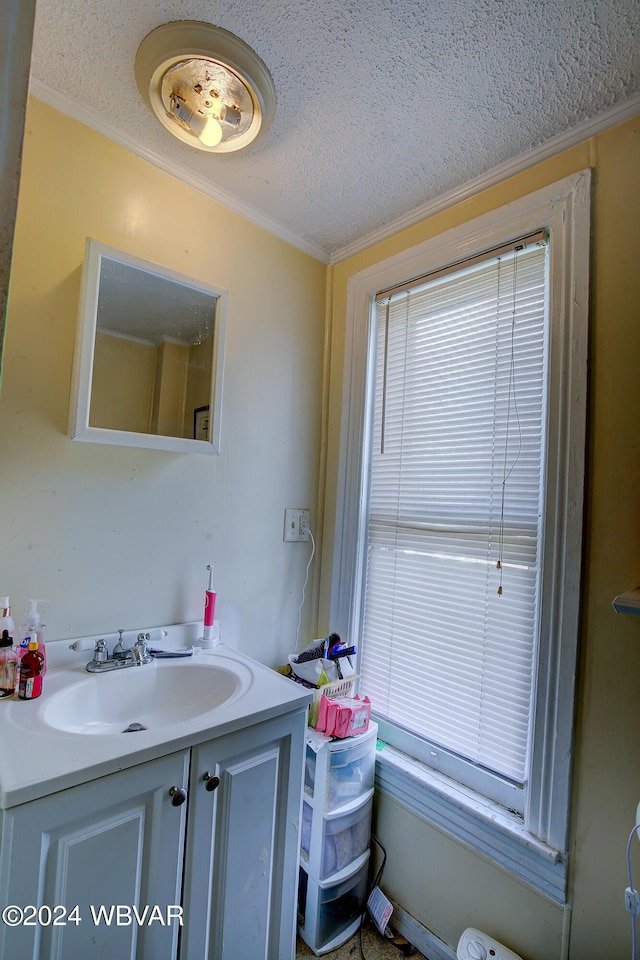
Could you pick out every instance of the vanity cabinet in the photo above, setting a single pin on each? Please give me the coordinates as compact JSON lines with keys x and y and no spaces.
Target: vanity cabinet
{"x":242,"y":844}
{"x":115,"y":840}
{"x":227,"y":854}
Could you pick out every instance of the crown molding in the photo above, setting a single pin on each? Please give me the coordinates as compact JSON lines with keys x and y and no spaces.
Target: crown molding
{"x":503,"y":171}
{"x":563,"y":141}
{"x":77,"y":111}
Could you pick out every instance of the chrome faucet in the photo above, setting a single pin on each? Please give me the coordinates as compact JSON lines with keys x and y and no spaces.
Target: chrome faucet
{"x":120,"y":652}
{"x":121,"y":656}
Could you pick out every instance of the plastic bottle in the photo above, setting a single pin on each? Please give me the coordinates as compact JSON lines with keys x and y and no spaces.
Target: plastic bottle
{"x":6,"y":620}
{"x":30,"y":626}
{"x":31,"y":671}
{"x":21,"y":649}
{"x":8,"y":663}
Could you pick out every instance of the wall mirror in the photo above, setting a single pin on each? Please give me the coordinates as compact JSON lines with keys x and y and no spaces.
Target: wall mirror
{"x":149,"y":356}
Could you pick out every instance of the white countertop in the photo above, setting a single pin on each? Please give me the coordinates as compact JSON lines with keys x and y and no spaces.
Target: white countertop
{"x":37,"y":759}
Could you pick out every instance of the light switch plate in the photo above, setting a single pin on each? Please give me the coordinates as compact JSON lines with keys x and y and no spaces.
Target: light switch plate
{"x":296,"y":524}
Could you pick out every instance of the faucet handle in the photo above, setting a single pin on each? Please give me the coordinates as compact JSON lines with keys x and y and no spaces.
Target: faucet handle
{"x":100,"y":652}
{"x":83,"y":643}
{"x":140,"y":651}
{"x":142,"y":644}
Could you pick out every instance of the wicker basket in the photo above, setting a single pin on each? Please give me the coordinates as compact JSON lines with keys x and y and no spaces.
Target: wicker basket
{"x":338,"y":688}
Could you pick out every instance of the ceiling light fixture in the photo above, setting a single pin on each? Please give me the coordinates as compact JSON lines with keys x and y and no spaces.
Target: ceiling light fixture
{"x":205,"y":86}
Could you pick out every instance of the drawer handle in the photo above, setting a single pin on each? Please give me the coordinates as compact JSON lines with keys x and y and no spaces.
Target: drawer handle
{"x":212,"y":782}
{"x":178,"y":796}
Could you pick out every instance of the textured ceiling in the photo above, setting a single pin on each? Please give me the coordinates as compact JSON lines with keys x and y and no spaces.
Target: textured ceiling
{"x":382,"y":105}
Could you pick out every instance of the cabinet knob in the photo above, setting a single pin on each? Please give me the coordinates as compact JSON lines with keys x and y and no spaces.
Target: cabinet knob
{"x":178,"y":796}
{"x":212,"y":782}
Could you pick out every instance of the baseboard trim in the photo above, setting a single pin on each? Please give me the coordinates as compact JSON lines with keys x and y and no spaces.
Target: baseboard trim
{"x":420,"y":936}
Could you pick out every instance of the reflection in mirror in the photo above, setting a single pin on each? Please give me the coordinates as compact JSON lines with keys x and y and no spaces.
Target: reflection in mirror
{"x":149,"y":354}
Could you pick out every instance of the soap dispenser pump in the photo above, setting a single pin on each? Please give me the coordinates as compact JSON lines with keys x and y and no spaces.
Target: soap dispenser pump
{"x":6,"y":620}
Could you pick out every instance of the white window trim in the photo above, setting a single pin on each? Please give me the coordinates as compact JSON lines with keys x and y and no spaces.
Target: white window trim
{"x":536,"y":851}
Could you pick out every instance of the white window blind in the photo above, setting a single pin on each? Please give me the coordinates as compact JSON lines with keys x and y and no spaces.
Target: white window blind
{"x":454,"y":532}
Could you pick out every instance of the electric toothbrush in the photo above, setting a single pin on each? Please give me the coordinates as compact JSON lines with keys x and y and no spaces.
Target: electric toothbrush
{"x":208,"y":634}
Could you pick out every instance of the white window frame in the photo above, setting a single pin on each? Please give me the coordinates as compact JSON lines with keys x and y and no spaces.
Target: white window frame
{"x":533,"y":847}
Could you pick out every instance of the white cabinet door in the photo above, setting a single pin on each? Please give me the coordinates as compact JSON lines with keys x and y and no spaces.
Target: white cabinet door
{"x":242,"y":844}
{"x":118,"y":840}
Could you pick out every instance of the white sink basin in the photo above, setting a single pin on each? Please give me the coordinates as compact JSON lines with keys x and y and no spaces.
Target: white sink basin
{"x":149,"y":697}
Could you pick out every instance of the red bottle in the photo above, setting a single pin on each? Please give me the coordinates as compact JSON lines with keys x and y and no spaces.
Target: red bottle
{"x":31,"y":671}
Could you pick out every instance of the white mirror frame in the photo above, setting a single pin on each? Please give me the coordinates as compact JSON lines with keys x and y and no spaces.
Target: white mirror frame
{"x":82,"y":376}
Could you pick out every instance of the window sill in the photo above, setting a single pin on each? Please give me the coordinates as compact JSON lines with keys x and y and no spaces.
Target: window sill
{"x":479,"y":824}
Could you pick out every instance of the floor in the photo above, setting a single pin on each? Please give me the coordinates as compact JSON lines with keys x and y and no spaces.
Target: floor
{"x":374,"y":947}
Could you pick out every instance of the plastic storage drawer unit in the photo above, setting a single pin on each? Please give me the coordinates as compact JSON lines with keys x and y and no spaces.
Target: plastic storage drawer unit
{"x":334,"y":837}
{"x":335,"y":840}
{"x":329,"y":911}
{"x":344,"y":770}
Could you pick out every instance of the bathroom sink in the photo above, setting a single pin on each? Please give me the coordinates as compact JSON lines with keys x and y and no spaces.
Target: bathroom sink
{"x":75,"y":731}
{"x":142,"y":698}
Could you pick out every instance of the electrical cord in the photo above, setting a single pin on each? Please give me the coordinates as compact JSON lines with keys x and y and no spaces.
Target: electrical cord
{"x":632,"y":892}
{"x":306,"y":580}
{"x":376,"y":882}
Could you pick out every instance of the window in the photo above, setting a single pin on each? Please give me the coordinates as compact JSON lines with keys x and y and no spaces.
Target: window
{"x":459,"y":521}
{"x":453,"y":534}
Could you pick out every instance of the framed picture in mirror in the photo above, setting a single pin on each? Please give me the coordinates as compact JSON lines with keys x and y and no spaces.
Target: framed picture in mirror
{"x":201,"y":423}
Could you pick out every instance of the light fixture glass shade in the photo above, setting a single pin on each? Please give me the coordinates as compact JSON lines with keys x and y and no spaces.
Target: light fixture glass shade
{"x":207,"y":87}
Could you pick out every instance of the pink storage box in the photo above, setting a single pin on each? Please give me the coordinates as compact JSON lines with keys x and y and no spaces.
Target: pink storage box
{"x":343,"y":716}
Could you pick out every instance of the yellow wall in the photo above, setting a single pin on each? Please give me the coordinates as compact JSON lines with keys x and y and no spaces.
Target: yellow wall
{"x":169,"y":395}
{"x":438,"y":881}
{"x":198,"y":381}
{"x":122,"y":384}
{"x":119,"y":537}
